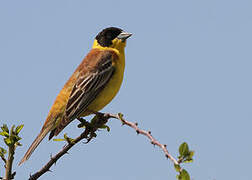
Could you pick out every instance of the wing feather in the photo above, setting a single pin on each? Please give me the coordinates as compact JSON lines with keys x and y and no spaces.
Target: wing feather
{"x":86,"y":92}
{"x":86,"y":89}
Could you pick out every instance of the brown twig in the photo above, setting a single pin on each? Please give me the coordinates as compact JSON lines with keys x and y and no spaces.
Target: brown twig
{"x":4,"y":160}
{"x":88,"y":134}
{"x":8,"y":170}
{"x":145,"y":133}
{"x":54,"y":159}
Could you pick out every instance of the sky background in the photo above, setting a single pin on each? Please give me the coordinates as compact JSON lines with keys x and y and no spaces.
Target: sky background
{"x":188,"y":78}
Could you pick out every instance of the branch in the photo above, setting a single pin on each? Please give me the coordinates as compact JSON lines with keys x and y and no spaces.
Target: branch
{"x":11,"y":140}
{"x":89,"y":133}
{"x":185,"y":155}
{"x":8,"y":170}
{"x":46,"y":168}
{"x":3,"y":159}
{"x":99,"y":122}
{"x":145,"y":133}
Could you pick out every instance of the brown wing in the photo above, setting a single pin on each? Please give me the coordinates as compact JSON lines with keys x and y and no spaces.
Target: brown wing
{"x":87,"y":87}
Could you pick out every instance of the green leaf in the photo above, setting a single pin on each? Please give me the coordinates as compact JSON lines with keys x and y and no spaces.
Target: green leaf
{"x":120,"y":115}
{"x":191,"y":154}
{"x":2,"y":153}
{"x":178,"y":177}
{"x":183,"y":149}
{"x":18,"y":144}
{"x":189,"y":160}
{"x":16,"y":138}
{"x":65,"y":136}
{"x":12,"y":130}
{"x":105,"y":127}
{"x":4,"y":133}
{"x":59,"y":140}
{"x":8,"y":141}
{"x":184,"y":175}
{"x":5,"y":128}
{"x":81,"y":126}
{"x":68,"y":139}
{"x":2,"y":150}
{"x":19,"y":128}
{"x":177,"y":167}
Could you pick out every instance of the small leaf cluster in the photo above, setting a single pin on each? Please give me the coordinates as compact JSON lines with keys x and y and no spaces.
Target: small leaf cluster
{"x":185,"y":156}
{"x":2,"y":154}
{"x":11,"y":137}
{"x":98,"y":122}
{"x":183,"y":175}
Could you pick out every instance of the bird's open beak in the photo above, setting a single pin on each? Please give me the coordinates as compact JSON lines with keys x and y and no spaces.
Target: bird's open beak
{"x":124,"y":35}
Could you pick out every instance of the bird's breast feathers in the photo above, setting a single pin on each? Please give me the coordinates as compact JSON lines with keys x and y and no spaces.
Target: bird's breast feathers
{"x":113,"y":86}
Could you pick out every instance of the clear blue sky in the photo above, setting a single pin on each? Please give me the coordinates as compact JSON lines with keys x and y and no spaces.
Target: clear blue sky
{"x":188,"y":78}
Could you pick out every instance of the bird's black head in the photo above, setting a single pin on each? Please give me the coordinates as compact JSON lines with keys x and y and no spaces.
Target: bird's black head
{"x":105,"y":37}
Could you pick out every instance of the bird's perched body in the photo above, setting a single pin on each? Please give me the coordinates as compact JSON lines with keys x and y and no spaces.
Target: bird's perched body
{"x":92,"y":86}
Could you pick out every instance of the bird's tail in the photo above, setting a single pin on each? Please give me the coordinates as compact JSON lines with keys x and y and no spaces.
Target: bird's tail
{"x":35,"y":144}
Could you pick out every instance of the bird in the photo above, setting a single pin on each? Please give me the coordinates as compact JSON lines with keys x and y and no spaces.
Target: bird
{"x":93,"y":85}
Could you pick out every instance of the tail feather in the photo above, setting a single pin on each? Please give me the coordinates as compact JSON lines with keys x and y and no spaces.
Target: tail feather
{"x":35,"y":144}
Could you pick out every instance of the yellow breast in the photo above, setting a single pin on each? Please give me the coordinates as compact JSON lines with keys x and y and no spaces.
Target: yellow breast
{"x":114,"y":84}
{"x":111,"y":89}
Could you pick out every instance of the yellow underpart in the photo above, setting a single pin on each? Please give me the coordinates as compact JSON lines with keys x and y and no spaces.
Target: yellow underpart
{"x":114,"y":84}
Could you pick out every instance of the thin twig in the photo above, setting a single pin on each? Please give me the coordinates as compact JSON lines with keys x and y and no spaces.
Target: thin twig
{"x":145,"y":133}
{"x":54,"y":159}
{"x":4,"y":160}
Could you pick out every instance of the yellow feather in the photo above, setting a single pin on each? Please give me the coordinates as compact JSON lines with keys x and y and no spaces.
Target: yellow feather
{"x":113,"y":86}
